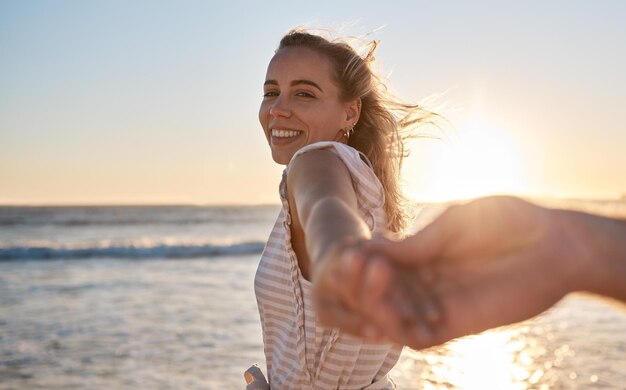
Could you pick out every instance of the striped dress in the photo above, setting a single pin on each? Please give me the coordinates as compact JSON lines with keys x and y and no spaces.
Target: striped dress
{"x":301,"y":354}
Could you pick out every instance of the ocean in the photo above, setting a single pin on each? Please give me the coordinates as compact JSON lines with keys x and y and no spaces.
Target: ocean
{"x":161,"y":297}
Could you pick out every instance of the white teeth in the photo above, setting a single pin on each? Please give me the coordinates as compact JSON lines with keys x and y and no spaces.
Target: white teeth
{"x":284,"y":133}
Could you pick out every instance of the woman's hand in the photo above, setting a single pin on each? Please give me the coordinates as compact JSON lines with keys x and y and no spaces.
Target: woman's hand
{"x":349,"y":278}
{"x":255,"y":379}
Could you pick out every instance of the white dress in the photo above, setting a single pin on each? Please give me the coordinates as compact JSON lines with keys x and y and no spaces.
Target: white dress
{"x":301,"y":354}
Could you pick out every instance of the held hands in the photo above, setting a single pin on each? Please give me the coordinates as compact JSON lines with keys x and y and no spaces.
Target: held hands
{"x":488,"y":263}
{"x":349,"y":288}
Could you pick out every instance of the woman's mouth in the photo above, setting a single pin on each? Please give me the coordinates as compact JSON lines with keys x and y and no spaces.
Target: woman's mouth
{"x":284,"y":134}
{"x":284,"y":137}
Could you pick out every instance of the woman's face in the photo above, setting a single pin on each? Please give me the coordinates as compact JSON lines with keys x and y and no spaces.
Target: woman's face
{"x":301,"y":103}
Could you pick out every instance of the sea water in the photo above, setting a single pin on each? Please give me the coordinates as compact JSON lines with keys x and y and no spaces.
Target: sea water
{"x":162,"y":298}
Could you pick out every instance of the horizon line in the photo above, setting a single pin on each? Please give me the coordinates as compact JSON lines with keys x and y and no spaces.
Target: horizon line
{"x":620,"y":197}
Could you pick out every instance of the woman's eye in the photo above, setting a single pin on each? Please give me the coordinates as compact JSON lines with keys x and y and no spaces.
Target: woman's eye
{"x":305,"y":94}
{"x":270,"y":94}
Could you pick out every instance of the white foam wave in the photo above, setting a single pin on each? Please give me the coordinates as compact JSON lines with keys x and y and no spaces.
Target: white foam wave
{"x":130,"y":251}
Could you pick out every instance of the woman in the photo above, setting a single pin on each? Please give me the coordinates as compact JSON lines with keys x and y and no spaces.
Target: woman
{"x":327,"y":117}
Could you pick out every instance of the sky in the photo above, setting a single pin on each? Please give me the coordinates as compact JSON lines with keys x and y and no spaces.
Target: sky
{"x":132,"y":102}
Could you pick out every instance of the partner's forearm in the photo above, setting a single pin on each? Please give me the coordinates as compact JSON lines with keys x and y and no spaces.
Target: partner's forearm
{"x":331,"y":221}
{"x":601,"y":244}
{"x":610,"y":241}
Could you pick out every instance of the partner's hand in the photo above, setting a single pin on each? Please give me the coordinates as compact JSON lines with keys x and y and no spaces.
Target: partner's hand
{"x":488,"y":263}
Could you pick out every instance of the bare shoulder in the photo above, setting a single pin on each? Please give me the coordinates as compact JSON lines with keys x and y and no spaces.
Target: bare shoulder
{"x":318,"y":162}
{"x":317,"y":174}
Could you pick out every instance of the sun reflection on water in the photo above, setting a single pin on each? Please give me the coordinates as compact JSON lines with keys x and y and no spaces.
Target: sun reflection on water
{"x":499,"y":359}
{"x":512,"y":357}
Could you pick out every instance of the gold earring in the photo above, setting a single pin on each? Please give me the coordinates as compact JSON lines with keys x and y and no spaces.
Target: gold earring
{"x":348,"y":133}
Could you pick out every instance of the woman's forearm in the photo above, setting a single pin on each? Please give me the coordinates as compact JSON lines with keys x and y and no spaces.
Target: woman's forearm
{"x":332,"y":222}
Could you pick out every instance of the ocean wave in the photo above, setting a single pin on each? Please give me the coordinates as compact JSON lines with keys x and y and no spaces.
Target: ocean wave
{"x":130,"y":251}
{"x":77,"y":216}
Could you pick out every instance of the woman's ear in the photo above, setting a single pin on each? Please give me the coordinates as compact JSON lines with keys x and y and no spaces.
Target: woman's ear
{"x":353,"y":112}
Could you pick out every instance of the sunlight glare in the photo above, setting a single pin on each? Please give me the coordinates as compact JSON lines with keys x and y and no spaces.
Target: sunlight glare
{"x":486,"y":361}
{"x":498,"y":359}
{"x":477,"y":160}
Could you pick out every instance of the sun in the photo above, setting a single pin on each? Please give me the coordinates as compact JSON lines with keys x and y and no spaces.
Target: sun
{"x":475,"y":160}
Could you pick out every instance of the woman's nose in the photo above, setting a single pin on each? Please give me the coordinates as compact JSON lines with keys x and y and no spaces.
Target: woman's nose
{"x":280,"y":108}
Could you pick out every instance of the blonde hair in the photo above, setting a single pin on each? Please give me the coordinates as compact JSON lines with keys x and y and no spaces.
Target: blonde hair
{"x":385,"y":122}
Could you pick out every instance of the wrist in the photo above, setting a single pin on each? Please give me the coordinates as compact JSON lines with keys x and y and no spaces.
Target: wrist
{"x":337,"y":246}
{"x":328,"y":261}
{"x":586,"y":249}
{"x":571,"y":249}
{"x":608,"y":251}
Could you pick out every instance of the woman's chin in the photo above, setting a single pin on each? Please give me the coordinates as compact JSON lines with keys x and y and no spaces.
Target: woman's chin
{"x":281,"y":158}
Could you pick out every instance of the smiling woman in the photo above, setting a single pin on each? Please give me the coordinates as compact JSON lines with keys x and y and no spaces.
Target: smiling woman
{"x":330,"y":120}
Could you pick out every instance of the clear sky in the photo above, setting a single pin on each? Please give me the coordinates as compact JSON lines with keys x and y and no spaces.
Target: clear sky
{"x":156,"y":101}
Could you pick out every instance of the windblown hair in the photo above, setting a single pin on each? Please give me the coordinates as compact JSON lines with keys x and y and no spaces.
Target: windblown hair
{"x":385,"y":122}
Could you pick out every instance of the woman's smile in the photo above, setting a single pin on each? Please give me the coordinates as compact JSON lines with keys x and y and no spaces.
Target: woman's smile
{"x":278,"y":133}
{"x":301,"y":103}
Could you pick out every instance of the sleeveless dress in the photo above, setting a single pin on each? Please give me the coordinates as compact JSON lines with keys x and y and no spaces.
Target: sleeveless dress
{"x":301,"y":354}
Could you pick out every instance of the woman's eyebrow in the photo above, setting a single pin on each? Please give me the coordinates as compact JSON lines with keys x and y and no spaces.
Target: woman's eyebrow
{"x":306,"y":82}
{"x":296,"y":82}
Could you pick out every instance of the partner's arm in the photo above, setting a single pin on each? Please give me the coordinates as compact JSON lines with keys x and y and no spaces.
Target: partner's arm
{"x":491,"y":262}
{"x":601,"y":246}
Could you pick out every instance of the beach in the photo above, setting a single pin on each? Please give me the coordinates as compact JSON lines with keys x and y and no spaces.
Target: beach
{"x":151,"y":297}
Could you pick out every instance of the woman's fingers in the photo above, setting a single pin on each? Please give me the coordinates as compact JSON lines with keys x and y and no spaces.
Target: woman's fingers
{"x":255,"y":379}
{"x":395,"y":300}
{"x":376,"y":283}
{"x":349,"y":281}
{"x":258,"y":385}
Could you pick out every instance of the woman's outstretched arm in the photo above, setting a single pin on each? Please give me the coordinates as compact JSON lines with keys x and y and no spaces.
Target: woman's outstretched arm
{"x":324,"y":203}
